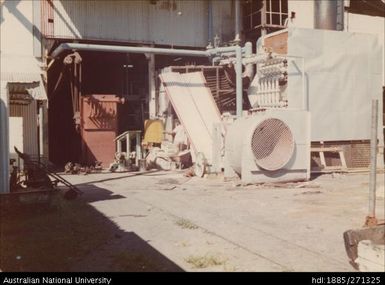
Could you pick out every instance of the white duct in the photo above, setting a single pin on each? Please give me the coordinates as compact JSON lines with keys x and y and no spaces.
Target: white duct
{"x":269,"y":146}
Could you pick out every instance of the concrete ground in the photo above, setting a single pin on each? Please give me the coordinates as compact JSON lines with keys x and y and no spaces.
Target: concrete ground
{"x":211,"y":225}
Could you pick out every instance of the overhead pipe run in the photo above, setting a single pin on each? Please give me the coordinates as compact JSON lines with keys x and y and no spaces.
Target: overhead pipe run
{"x":126,"y":49}
{"x":168,"y":51}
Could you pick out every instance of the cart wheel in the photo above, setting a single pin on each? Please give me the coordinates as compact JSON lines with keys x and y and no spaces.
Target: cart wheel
{"x":200,"y":165}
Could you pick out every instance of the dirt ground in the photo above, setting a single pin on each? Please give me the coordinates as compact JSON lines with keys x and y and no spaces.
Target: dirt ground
{"x":163,"y":221}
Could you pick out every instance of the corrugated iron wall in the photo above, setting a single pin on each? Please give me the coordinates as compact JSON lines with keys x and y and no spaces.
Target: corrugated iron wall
{"x":47,"y":16}
{"x":171,"y":22}
{"x":28,"y":112}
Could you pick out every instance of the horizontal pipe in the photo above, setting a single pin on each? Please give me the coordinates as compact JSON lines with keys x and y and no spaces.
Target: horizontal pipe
{"x":221,"y":50}
{"x":126,"y":49}
{"x":129,"y":49}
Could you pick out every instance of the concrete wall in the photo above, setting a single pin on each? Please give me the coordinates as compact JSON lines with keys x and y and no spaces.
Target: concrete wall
{"x":18,"y":64}
{"x":16,"y":28}
{"x":304,"y":13}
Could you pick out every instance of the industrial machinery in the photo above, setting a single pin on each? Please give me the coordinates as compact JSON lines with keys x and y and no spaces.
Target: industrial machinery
{"x":99,"y":127}
{"x":268,"y":88}
{"x":272,"y":142}
{"x":270,"y":145}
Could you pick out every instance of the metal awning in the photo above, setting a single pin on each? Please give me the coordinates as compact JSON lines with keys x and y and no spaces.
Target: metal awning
{"x":22,"y":74}
{"x":35,"y":90}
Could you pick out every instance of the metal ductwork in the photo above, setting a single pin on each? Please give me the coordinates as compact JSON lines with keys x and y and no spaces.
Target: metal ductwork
{"x":326,"y":13}
{"x":272,"y":145}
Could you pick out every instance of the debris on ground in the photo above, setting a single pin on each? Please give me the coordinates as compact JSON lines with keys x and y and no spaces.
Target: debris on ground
{"x":168,"y":181}
{"x":291,"y":185}
{"x":168,"y":188}
{"x":76,"y":168}
{"x":186,"y":224}
{"x":309,"y":192}
{"x":205,"y":261}
{"x":189,"y":172}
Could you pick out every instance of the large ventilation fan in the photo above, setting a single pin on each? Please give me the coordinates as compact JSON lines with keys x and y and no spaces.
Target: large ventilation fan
{"x":272,"y":145}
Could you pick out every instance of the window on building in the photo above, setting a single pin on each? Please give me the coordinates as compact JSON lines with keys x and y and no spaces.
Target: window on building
{"x":269,"y":15}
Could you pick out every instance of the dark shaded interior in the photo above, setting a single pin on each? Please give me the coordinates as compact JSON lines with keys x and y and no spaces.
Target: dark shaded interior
{"x":123,"y":75}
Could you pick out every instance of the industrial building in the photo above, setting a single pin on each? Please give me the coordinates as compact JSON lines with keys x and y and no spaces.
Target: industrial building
{"x":77,"y":74}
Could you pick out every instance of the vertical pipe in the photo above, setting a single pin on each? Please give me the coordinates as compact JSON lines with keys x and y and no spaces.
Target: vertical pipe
{"x":45,"y":129}
{"x":4,"y":139}
{"x":41,"y":130}
{"x":263,"y":18}
{"x":210,"y":21}
{"x":237,"y":36}
{"x":217,"y":82}
{"x":239,"y":87}
{"x":151,"y":86}
{"x":138,"y":148}
{"x":325,"y":14}
{"x":249,"y":68}
{"x":119,"y":146}
{"x":340,"y":14}
{"x":373,"y":160}
{"x":128,"y":150}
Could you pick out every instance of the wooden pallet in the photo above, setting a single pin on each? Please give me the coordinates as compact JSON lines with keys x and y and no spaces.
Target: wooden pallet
{"x":324,"y":167}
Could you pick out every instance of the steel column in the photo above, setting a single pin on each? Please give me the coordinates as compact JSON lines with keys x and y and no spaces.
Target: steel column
{"x":151,"y":87}
{"x":373,"y":160}
{"x":4,"y":139}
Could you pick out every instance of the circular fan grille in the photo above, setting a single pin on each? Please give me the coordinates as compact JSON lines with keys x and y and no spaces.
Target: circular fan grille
{"x":272,"y":144}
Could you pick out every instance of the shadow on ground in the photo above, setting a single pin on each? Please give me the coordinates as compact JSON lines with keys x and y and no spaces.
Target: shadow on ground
{"x":72,"y":236}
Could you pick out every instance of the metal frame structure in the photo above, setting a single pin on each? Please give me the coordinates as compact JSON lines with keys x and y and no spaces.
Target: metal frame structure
{"x":261,"y":15}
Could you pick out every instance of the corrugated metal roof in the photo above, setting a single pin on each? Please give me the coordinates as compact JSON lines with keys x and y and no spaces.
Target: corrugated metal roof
{"x":23,"y":74}
{"x":34,"y":88}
